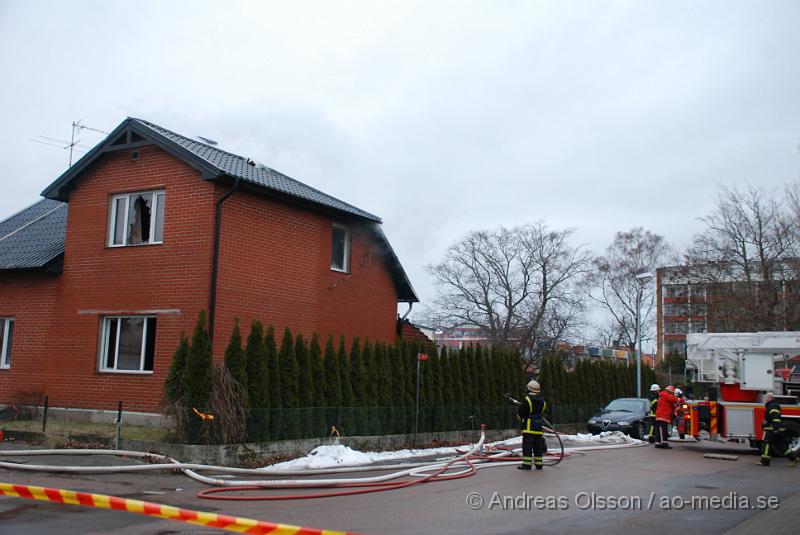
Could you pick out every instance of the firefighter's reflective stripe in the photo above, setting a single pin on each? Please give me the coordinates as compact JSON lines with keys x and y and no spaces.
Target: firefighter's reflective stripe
{"x":773,"y":420}
{"x":530,"y":418}
{"x":530,"y":413}
{"x":526,"y":461}
{"x":538,"y":461}
{"x":765,"y":455}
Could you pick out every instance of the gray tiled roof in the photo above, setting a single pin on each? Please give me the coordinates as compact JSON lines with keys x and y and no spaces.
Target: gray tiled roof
{"x":261,"y":175}
{"x":33,"y":237}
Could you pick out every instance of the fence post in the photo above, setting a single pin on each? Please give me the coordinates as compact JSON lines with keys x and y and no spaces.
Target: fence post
{"x":119,"y":425}
{"x":44,"y":418}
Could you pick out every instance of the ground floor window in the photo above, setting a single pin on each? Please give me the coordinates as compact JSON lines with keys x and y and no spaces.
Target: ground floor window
{"x":128,"y":344}
{"x":6,"y":333}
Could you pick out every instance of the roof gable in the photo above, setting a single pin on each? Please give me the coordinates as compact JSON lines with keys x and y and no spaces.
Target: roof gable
{"x":212,"y":163}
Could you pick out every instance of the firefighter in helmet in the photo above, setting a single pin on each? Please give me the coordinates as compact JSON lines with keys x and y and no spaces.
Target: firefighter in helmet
{"x":774,"y":433}
{"x":664,"y":412}
{"x":651,"y":418}
{"x":531,"y":413}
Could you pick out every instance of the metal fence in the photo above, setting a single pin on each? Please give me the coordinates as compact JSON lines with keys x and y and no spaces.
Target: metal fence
{"x":287,"y":424}
{"x":277,"y":424}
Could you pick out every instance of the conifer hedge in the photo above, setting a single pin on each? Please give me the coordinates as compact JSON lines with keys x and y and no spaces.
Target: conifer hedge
{"x":302,"y":390}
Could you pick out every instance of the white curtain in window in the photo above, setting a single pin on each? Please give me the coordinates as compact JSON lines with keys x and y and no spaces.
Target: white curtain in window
{"x":129,"y":356}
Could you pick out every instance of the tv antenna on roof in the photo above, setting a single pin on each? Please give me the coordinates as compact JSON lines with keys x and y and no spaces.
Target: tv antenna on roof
{"x":72,"y":144}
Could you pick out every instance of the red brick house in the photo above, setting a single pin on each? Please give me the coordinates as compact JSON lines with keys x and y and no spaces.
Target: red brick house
{"x":98,"y":280}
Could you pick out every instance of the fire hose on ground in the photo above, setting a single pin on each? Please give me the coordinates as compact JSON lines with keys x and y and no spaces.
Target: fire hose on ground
{"x":465,"y":464}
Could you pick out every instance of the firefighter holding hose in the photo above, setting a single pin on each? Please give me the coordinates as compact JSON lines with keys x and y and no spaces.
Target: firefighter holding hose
{"x":531,"y":413}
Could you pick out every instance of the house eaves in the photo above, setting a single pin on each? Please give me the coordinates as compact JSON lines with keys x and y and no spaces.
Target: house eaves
{"x":405,"y":292}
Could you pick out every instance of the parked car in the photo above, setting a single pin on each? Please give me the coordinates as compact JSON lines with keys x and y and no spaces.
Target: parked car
{"x":623,"y":414}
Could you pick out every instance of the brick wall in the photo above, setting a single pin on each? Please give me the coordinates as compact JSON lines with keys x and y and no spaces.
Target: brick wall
{"x":275,"y":266}
{"x":99,"y":280}
{"x":29,"y":298}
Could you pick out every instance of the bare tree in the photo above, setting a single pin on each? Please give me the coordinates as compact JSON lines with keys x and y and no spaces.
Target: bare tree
{"x":747,"y":257}
{"x":517,"y":285}
{"x":792,"y":204}
{"x":606,"y":333}
{"x":619,"y":291}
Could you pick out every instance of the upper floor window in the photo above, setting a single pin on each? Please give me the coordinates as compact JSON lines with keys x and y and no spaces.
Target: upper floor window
{"x":698,"y":291}
{"x":676,"y":290}
{"x":697,"y":327}
{"x":127,"y":344}
{"x":136,"y":219}
{"x":6,"y":333}
{"x":674,"y":327}
{"x":340,"y":249}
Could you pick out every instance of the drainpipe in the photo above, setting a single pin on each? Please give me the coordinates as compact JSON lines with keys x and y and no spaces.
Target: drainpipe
{"x":212,"y":305}
{"x":401,"y":320}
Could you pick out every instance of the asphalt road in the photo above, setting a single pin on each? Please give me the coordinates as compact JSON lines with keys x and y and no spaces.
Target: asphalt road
{"x":621,"y":490}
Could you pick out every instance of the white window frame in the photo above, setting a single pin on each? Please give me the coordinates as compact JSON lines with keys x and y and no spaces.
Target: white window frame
{"x":346,"y":259}
{"x":105,"y":325}
{"x":112,"y":218}
{"x":5,"y":349}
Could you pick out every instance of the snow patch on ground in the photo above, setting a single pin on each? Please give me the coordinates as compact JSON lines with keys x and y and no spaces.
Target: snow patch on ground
{"x":606,"y":438}
{"x":337,"y":456}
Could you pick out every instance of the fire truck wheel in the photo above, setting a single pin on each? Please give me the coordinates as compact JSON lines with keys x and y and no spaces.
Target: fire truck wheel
{"x":793,"y":434}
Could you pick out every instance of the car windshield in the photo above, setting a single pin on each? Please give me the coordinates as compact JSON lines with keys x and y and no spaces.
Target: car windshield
{"x":628,"y":405}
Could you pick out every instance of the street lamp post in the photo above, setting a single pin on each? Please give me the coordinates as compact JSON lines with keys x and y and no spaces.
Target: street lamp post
{"x":642,"y":279}
{"x":420,"y":358}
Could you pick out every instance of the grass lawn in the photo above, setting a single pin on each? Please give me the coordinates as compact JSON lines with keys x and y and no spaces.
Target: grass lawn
{"x":59,"y":431}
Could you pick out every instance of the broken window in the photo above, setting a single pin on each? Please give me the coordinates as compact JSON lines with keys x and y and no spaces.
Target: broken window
{"x":340,"y":249}
{"x":128,"y":343}
{"x":6,"y":333}
{"x":137,"y":219}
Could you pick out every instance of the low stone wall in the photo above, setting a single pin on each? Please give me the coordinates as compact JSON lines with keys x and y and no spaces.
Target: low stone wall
{"x":142,"y":419}
{"x":250,"y":453}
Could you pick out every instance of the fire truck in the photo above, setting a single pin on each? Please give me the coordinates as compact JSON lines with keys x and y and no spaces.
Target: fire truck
{"x":741,"y":368}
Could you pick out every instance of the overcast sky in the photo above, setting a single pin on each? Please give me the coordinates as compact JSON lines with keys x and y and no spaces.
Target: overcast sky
{"x":439,"y":117}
